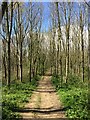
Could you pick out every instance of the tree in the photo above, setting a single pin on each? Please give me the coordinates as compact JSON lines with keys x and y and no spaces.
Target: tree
{"x":59,"y":42}
{"x":89,"y":41}
{"x":9,"y":31}
{"x":33,"y":24}
{"x":67,"y":8}
{"x":2,"y":10}
{"x":17,"y":45}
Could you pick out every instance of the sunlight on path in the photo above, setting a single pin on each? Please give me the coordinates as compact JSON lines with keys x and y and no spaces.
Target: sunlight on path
{"x":44,"y":102}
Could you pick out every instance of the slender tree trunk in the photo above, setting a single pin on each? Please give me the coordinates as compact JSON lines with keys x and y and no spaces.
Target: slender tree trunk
{"x":57,"y":68}
{"x":21,"y":61}
{"x":5,"y":68}
{"x":17,"y":61}
{"x":89,"y":42}
{"x":9,"y":63}
{"x":68,"y":53}
{"x":59,"y":40}
{"x":31,"y":44}
{"x":39,"y":65}
{"x":30,"y":72}
{"x":67,"y":38}
{"x":20,"y":39}
{"x":82,"y":40}
{"x":79,"y":64}
{"x":66,"y":68}
{"x":5,"y":61}
{"x":43,"y":68}
{"x":9,"y":30}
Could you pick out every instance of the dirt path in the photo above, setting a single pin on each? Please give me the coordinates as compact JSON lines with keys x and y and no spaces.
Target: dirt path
{"x":44,"y":102}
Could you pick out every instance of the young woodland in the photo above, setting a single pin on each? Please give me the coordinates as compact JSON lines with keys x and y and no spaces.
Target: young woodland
{"x":38,"y":37}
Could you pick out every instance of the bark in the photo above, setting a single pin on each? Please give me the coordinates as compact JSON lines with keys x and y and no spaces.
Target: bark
{"x":21,"y":62}
{"x":20,"y":40}
{"x":59,"y":40}
{"x":82,"y":40}
{"x":67,"y":39}
{"x":30,"y":71}
{"x":54,"y":45}
{"x":17,"y":62}
{"x":89,"y":41}
{"x":5,"y":61}
{"x":17,"y":49}
{"x":9,"y":37}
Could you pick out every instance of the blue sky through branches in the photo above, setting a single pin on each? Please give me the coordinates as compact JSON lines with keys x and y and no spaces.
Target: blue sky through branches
{"x":46,"y":15}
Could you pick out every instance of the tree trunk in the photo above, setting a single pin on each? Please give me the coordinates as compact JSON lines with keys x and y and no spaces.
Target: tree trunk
{"x":81,"y":28}
{"x":9,"y":30}
{"x":59,"y":40}
{"x":5,"y":68}
{"x":17,"y":62}
{"x":89,"y":42}
{"x":66,"y":68}
{"x":5,"y":60}
{"x":21,"y":61}
{"x":30,"y":72}
{"x":20,"y":40}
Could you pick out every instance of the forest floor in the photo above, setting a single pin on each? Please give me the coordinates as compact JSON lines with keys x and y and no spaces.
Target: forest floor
{"x":44,"y":102}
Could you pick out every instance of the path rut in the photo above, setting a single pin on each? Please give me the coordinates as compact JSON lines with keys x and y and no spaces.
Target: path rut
{"x":44,"y":102}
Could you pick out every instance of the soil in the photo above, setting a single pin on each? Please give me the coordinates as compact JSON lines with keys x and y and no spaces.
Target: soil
{"x":44,"y":102}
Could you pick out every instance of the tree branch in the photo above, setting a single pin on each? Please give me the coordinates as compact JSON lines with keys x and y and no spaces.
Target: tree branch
{"x":2,"y":10}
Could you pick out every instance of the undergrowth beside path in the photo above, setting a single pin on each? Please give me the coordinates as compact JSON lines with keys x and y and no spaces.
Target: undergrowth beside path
{"x":16,"y":97}
{"x":74,"y":96}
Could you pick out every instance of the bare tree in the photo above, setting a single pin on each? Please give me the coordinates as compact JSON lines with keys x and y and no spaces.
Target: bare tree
{"x":67,"y":7}
{"x":9,"y":31}
{"x":89,"y":41}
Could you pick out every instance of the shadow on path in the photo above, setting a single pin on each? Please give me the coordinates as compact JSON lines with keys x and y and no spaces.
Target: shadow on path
{"x":44,"y":102}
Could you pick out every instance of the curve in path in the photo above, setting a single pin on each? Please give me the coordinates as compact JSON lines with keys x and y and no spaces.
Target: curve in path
{"x":44,"y":102}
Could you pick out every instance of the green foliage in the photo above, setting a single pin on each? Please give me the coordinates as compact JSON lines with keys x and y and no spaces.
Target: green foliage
{"x":9,"y":115}
{"x":56,"y":80}
{"x":15,"y":97}
{"x":74,"y":96}
{"x":73,"y":80}
{"x":76,"y":100}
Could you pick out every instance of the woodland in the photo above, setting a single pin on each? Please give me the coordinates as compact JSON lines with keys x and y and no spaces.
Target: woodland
{"x":45,"y":44}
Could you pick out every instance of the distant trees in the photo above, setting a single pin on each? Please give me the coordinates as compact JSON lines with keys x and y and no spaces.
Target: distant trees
{"x":67,"y":9}
{"x":72,"y":45}
{"x":64,"y":8}
{"x":53,"y":48}
{"x":13,"y":43}
{"x":25,"y":41}
{"x":29,"y":50}
{"x":34,"y":38}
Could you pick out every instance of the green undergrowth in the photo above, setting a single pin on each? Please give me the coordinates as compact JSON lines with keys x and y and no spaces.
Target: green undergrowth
{"x":74,"y":96}
{"x":16,"y":97}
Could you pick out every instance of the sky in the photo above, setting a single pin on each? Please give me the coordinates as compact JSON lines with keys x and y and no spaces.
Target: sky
{"x":43,"y":0}
{"x":46,"y":15}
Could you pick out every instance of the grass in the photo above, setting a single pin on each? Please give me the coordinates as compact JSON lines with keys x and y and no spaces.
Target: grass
{"x":16,"y":97}
{"x":74,"y":96}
